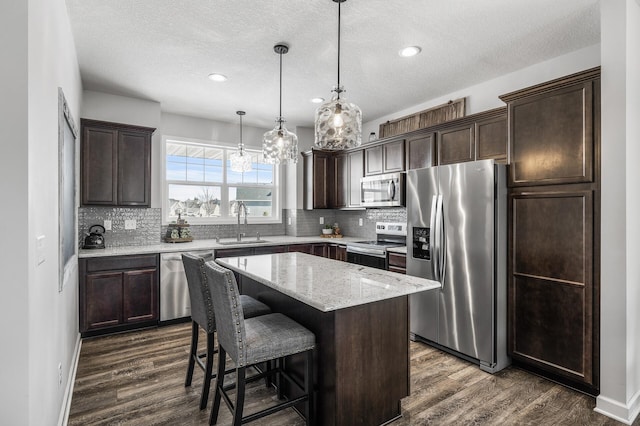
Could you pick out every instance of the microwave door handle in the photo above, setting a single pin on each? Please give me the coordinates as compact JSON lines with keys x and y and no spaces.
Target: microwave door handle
{"x":432,"y":238}
{"x":391,"y":190}
{"x":442,"y":253}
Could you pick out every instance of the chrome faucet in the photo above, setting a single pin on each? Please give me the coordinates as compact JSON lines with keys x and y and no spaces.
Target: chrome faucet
{"x":241,"y":207}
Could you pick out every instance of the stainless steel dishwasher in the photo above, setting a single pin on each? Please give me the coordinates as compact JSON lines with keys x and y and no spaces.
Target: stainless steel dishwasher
{"x":174,"y":291}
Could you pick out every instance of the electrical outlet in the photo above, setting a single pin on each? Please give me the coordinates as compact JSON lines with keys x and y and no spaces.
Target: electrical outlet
{"x":289,"y":221}
{"x":130,"y":224}
{"x":59,"y":374}
{"x":40,"y":249}
{"x":107,"y":225}
{"x":360,"y":222}
{"x":321,"y":220}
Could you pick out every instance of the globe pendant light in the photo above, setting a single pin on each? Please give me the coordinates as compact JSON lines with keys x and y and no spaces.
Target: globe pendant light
{"x":240,"y":160}
{"x":280,"y":146}
{"x":338,"y":123}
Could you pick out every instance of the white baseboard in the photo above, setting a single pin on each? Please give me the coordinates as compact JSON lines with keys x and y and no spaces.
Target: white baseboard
{"x":68,"y":393}
{"x":625,"y":413}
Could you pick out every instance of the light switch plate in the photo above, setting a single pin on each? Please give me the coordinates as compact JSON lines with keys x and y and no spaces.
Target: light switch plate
{"x":321,"y":220}
{"x":289,"y":221}
{"x":40,"y":249}
{"x":360,"y":222}
{"x":130,"y":224}
{"x":107,"y":225}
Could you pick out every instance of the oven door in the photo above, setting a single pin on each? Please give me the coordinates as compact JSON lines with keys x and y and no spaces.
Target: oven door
{"x":366,"y":257}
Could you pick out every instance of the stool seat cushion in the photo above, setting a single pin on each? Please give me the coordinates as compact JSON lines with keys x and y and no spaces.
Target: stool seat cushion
{"x":274,"y":336}
{"x":252,"y":307}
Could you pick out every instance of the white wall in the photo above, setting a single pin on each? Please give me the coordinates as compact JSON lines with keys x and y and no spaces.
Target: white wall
{"x":14,"y":306}
{"x":39,"y":325}
{"x":620,"y":337}
{"x":484,"y":96}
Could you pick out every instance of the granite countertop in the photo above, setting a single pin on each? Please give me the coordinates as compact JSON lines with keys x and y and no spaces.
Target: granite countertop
{"x":197,"y":245}
{"x":325,"y":284}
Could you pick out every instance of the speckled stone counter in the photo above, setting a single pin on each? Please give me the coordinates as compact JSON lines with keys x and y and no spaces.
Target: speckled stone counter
{"x":360,"y":318}
{"x":325,"y":284}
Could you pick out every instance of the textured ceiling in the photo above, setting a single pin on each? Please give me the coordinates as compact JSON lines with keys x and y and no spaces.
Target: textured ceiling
{"x":163,"y":50}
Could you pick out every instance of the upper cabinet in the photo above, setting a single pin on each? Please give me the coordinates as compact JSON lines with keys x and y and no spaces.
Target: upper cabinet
{"x":475,"y":137}
{"x":115,"y":164}
{"x":421,"y":151}
{"x":387,"y":157}
{"x":332,"y":179}
{"x":348,"y":169}
{"x":318,"y":179}
{"x":551,"y":133}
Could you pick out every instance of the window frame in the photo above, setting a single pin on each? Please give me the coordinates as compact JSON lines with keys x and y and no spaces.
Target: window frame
{"x":225,"y":219}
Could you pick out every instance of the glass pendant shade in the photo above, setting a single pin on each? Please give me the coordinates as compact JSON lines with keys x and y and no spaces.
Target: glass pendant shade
{"x":240,"y":160}
{"x":280,"y":146}
{"x":338,"y":124}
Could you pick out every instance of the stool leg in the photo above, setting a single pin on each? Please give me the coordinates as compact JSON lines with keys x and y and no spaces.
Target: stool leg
{"x":222,"y":358}
{"x":206,"y":384}
{"x":240,"y":382}
{"x":193,"y":353}
{"x":279,"y":366}
{"x":308,"y":389}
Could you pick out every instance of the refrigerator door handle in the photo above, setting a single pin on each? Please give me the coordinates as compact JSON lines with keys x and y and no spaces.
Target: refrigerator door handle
{"x":432,"y":238}
{"x":442,"y":254}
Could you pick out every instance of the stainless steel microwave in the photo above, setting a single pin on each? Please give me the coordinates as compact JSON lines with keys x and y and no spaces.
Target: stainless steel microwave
{"x":383,"y":190}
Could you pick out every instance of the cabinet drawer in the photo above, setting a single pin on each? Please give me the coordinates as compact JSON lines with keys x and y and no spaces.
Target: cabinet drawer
{"x":398,"y":260}
{"x":121,"y":262}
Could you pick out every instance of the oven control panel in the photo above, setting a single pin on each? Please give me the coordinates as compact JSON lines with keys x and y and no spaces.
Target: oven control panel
{"x":391,"y":228}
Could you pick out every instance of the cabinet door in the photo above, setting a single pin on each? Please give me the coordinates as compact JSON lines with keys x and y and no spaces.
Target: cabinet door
{"x":341,"y":253}
{"x":393,"y":157}
{"x":356,"y":171}
{"x":233,"y":252}
{"x":341,"y":181}
{"x":269,"y":249}
{"x":301,"y":248}
{"x":456,"y":145}
{"x":319,"y":250}
{"x":556,"y":126}
{"x":551,"y":287}
{"x":421,"y":151}
{"x":491,"y":139}
{"x":102,"y":300}
{"x":140,"y":296}
{"x":99,"y":166}
{"x":134,"y":168}
{"x":373,"y":160}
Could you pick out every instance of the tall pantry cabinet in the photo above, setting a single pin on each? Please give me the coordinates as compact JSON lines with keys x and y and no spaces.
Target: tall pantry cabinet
{"x":554,"y":228}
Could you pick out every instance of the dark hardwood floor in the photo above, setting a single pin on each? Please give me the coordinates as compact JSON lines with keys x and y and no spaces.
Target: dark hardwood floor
{"x":137,"y":378}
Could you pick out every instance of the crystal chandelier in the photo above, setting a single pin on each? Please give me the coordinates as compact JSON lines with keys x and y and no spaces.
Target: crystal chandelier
{"x":280,"y":146}
{"x":338,"y":122}
{"x":240,"y":160}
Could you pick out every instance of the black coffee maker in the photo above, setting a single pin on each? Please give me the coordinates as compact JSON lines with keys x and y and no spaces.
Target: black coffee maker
{"x":95,"y":237}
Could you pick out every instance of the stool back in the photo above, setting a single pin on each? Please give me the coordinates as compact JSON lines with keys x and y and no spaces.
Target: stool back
{"x":228,"y":311}
{"x":199,"y":293}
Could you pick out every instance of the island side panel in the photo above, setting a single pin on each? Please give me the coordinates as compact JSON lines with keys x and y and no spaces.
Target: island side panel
{"x":319,"y":323}
{"x":372,"y":359}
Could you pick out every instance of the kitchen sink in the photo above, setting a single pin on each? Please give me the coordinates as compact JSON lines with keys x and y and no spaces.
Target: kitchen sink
{"x":233,"y":243}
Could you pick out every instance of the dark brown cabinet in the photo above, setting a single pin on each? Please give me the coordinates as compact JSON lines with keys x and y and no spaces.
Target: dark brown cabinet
{"x":337,"y":252}
{"x":118,"y":293}
{"x":386,"y":157}
{"x":421,"y":151}
{"x":355,"y":160}
{"x":341,"y":191}
{"x":115,"y":164}
{"x":318,"y":179}
{"x":554,"y":228}
{"x":492,"y":139}
{"x":314,"y":249}
{"x":397,"y":262}
{"x":456,"y":145}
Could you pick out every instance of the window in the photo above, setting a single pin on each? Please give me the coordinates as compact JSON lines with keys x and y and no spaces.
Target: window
{"x":200,"y":185}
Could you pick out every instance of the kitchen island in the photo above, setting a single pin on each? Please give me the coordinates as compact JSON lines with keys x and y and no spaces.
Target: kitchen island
{"x":359,"y":316}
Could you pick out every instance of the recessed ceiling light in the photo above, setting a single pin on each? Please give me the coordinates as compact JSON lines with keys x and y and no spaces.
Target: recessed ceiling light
{"x":317,"y":100}
{"x":410,"y":51}
{"x":217,"y":77}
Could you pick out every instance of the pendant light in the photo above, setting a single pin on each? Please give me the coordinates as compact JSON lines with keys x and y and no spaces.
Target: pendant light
{"x":240,"y":160}
{"x":338,"y":123}
{"x":280,"y":146}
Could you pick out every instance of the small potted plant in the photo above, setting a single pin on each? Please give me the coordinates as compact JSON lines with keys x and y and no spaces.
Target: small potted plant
{"x":328,"y":230}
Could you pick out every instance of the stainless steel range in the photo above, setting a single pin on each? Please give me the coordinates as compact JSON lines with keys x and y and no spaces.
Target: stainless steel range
{"x":374,"y":253}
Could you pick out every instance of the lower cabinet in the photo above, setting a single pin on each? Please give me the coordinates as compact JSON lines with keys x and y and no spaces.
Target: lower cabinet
{"x":397,"y":262}
{"x":118,"y":293}
{"x":337,"y":252}
{"x":315,"y":249}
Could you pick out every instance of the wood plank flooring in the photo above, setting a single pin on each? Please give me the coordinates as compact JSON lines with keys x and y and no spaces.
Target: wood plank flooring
{"x":137,"y":378}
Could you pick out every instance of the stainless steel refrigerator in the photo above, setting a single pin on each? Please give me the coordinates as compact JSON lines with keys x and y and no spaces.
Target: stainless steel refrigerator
{"x":456,"y":234}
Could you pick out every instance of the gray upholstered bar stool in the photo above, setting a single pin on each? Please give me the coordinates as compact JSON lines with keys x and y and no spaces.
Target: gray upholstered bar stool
{"x":251,"y":341}
{"x":202,"y":316}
